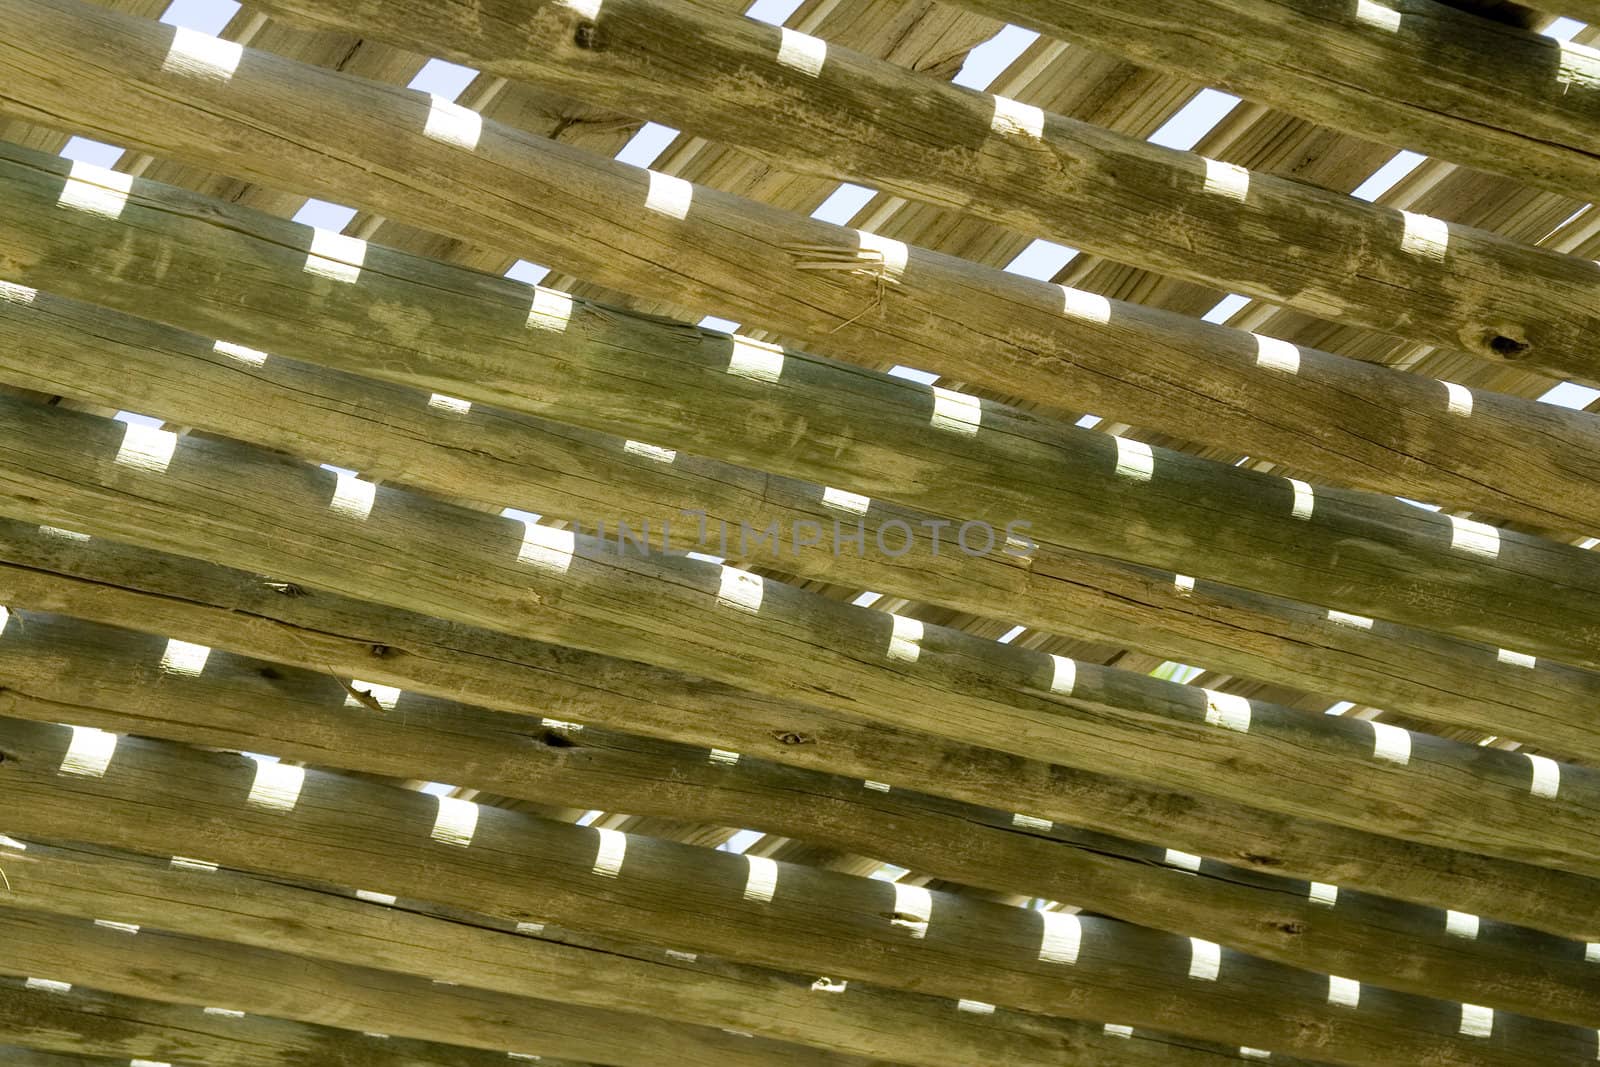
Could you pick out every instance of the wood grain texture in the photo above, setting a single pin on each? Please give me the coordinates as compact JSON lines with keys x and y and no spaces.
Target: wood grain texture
{"x":290,"y":125}
{"x":666,"y":618}
{"x":679,"y":896}
{"x":239,"y":506}
{"x":86,"y":1028}
{"x":424,"y":324}
{"x":55,"y":669}
{"x":579,"y":967}
{"x":181,"y":969}
{"x":63,"y":347}
{"x":1410,"y":73}
{"x":812,"y":107}
{"x":322,"y":631}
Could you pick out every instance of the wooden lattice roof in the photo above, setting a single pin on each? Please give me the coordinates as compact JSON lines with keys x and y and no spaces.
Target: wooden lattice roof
{"x":1259,"y":730}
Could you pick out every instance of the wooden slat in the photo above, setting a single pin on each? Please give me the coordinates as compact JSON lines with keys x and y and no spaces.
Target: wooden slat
{"x":425,"y":324}
{"x":203,"y":603}
{"x":811,"y":107}
{"x":578,"y":967}
{"x":62,"y":670}
{"x":186,"y":970}
{"x":62,"y":347}
{"x":158,"y":798}
{"x":61,"y":1028}
{"x":236,"y":505}
{"x":285,"y":124}
{"x":1411,"y":73}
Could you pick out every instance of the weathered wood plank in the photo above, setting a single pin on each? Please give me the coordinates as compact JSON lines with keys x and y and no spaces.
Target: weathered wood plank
{"x":61,"y":670}
{"x":61,"y":1028}
{"x":174,"y":968}
{"x":809,"y":106}
{"x":421,"y":323}
{"x":860,"y":1020}
{"x":68,"y":348}
{"x":289,"y":125}
{"x":1411,"y":73}
{"x":236,"y":505}
{"x":158,"y":798}
{"x":204,"y":603}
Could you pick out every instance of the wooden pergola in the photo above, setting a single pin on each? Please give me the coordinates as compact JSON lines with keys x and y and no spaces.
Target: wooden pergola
{"x":1027,"y":532}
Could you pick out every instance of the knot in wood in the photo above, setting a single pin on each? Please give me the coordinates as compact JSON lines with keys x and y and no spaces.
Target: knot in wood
{"x":1508,"y":347}
{"x":791,"y":737}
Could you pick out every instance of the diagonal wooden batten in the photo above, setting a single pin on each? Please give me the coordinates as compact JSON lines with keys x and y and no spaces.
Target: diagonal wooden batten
{"x":61,"y":670}
{"x":495,"y":458}
{"x":292,"y":125}
{"x":323,"y":631}
{"x":236,"y":505}
{"x":463,"y":334}
{"x":522,"y":868}
{"x":68,"y":348}
{"x":187,"y":970}
{"x":1413,"y":73}
{"x":63,"y":1028}
{"x":870,"y":1021}
{"x":809,"y":106}
{"x":664,"y":644}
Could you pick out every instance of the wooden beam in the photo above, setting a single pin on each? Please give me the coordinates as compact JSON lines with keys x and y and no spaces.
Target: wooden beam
{"x":61,"y":1027}
{"x":64,"y":347}
{"x":806,"y":105}
{"x":156,"y":797}
{"x":294,"y":126}
{"x":236,"y":505}
{"x":62,"y":670}
{"x":322,"y":924}
{"x":1411,"y":73}
{"x":323,"y":631}
{"x":457,"y":332}
{"x":175,"y":968}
